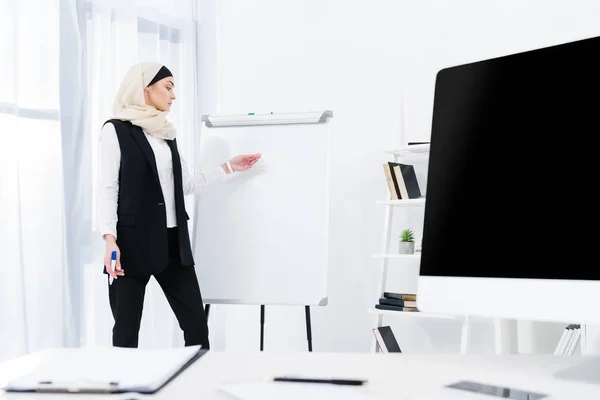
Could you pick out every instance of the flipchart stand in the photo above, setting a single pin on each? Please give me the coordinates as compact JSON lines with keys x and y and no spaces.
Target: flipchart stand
{"x":293,"y":174}
{"x":262,"y":325}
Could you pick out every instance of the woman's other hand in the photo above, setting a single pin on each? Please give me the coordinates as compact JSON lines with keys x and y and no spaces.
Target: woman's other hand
{"x":111,"y":245}
{"x":244,"y":162}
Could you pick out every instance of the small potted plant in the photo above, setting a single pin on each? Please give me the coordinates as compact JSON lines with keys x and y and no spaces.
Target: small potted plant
{"x":407,"y":242}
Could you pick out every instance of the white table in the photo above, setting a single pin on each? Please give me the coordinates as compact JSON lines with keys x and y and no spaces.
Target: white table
{"x":391,"y":376}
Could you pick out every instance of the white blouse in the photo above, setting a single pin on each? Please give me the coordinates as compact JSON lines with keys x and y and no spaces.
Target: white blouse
{"x":110,"y":160}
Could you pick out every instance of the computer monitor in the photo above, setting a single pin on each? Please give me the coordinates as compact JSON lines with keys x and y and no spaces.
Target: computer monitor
{"x":510,"y":211}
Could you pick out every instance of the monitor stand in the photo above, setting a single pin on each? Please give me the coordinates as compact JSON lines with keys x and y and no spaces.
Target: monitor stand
{"x":587,"y":372}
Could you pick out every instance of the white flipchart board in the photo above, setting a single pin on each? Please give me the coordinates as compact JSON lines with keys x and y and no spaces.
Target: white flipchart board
{"x":261,"y":236}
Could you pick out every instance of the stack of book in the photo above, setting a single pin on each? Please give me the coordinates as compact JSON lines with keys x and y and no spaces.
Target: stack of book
{"x":398,"y":302}
{"x":402,"y":181}
{"x":568,"y":341}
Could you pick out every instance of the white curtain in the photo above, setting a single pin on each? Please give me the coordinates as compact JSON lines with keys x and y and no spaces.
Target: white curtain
{"x":61,"y":62}
{"x":35,"y":301}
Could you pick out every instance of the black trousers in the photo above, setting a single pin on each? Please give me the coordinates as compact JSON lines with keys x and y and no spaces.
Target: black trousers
{"x":179,"y":284}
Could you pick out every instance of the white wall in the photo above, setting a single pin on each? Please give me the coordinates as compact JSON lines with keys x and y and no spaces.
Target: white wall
{"x":371,"y":62}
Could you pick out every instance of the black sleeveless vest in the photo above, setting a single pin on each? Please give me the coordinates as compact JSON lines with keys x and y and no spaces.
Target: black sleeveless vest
{"x":141,"y":215}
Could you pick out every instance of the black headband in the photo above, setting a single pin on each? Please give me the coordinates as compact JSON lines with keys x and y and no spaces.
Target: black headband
{"x":161,"y":74}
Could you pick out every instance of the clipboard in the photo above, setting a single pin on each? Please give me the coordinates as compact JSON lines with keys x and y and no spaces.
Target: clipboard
{"x":107,"y":370}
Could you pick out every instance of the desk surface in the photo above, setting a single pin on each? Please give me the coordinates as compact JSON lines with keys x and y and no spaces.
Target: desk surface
{"x":391,"y":376}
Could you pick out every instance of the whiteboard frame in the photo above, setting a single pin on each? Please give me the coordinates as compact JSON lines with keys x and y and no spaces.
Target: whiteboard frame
{"x":255,"y":119}
{"x":250,"y":119}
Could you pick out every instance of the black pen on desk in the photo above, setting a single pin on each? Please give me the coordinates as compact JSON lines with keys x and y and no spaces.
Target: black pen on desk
{"x":351,"y":382}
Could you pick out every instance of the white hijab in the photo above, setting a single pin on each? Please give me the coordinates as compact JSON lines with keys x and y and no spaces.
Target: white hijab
{"x":129,"y":104}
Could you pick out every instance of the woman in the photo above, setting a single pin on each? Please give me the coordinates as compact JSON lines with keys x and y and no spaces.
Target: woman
{"x":143,"y":183}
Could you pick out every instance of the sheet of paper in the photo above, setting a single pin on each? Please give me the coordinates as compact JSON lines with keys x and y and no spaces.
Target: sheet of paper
{"x":264,"y":390}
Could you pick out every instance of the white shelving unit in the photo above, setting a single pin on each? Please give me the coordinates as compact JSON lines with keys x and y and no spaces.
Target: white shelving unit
{"x":386,"y":255}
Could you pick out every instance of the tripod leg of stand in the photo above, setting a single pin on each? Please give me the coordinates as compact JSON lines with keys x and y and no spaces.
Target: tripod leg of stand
{"x":308,"y":328}
{"x":262,"y":327}
{"x":206,"y":310}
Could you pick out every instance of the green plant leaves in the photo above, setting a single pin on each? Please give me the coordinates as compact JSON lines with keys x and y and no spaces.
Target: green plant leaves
{"x":407,"y":235}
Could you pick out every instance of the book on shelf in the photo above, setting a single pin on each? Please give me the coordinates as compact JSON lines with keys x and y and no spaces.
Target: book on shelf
{"x":400,"y":296}
{"x":397,"y":302}
{"x":406,"y":180}
{"x":390,"y":181}
{"x":395,"y":308}
{"x":402,"y":181}
{"x":386,"y":341}
{"x":572,"y":345}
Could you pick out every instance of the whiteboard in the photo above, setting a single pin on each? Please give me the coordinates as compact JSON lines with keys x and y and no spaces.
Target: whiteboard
{"x":262,"y":235}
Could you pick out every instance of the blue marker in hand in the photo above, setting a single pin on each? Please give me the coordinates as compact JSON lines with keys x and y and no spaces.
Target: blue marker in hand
{"x":113,"y":263}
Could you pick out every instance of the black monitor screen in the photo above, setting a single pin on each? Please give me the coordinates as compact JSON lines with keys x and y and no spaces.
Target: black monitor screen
{"x":512,"y":176}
